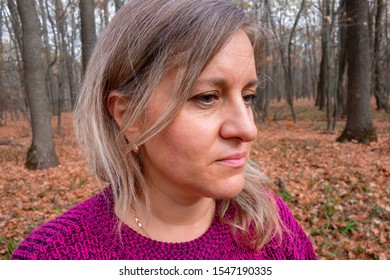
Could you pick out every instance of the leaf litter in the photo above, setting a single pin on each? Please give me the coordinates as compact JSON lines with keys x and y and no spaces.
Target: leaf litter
{"x":339,"y":192}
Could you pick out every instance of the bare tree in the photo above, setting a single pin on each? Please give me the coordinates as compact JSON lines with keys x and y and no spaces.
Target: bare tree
{"x":342,"y":63}
{"x":359,"y":125}
{"x":285,"y":54}
{"x":72,"y":34}
{"x":379,"y":92}
{"x":118,"y":4}
{"x":289,"y":86}
{"x":2,"y":83}
{"x":65,"y":100}
{"x":88,"y":29}
{"x":326,"y":88}
{"x":323,"y":86}
{"x":50,"y":55}
{"x":41,"y":153}
{"x":15,"y":31}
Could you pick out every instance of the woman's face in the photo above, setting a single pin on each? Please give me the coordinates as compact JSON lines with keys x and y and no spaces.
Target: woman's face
{"x":202,"y":153}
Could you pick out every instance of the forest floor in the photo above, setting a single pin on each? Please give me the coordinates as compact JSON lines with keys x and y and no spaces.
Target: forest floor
{"x":339,"y":192}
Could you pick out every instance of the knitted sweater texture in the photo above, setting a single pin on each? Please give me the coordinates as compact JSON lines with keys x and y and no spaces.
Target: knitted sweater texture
{"x":89,"y":231}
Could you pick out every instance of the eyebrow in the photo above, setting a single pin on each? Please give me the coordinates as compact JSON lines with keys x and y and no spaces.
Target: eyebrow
{"x":223,"y":82}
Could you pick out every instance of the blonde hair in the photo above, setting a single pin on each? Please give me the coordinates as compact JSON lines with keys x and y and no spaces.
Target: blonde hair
{"x":146,"y":40}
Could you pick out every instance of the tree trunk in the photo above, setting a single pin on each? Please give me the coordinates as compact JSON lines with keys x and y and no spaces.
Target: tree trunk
{"x":66,"y":102}
{"x":50,"y":62}
{"x":323,"y":82}
{"x":2,"y":82}
{"x":16,"y":38}
{"x":379,"y":93}
{"x":105,"y":12}
{"x":288,"y":70}
{"x":312,"y":62}
{"x":320,"y":99}
{"x":73,"y":69}
{"x":359,"y":125}
{"x":88,"y":29}
{"x":41,"y":154}
{"x":342,"y":64}
{"x":327,"y":26}
{"x":118,"y":4}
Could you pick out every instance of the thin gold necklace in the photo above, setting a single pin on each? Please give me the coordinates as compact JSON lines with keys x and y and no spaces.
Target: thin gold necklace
{"x":138,"y":223}
{"x":140,"y":226}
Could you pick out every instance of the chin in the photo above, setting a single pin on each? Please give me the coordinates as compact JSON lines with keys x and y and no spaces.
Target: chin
{"x":229,"y":189}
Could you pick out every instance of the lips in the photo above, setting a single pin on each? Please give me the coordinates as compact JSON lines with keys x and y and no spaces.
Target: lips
{"x":237,"y":160}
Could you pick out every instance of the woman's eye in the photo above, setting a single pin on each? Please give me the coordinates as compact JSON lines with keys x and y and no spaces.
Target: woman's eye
{"x":249,"y":98}
{"x":206,"y":99}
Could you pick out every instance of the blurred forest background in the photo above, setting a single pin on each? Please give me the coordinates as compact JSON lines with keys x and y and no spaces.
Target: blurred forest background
{"x":325,"y":87}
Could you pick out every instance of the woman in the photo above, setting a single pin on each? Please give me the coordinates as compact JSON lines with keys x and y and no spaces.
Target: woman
{"x":164,"y":116}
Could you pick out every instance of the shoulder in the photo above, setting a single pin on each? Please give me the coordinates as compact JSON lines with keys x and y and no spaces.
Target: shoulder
{"x":285,"y":213}
{"x":295,"y":241}
{"x":67,"y":235}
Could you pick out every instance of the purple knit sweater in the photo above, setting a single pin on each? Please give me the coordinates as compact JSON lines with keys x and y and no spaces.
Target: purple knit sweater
{"x":89,"y":231}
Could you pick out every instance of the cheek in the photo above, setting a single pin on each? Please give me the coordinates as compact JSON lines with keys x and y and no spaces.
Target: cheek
{"x":182,"y":142}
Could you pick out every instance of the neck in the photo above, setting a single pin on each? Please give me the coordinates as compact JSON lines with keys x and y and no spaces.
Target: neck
{"x":172,"y":220}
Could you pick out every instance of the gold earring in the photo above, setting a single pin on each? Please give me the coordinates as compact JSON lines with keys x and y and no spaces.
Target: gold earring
{"x":135,"y":149}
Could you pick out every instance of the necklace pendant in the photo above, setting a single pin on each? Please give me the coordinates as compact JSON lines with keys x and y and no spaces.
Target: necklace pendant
{"x":138,"y":222}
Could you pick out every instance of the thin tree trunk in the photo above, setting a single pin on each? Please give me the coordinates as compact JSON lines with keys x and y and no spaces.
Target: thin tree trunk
{"x":359,"y":125}
{"x":342,"y":63}
{"x":288,"y":70}
{"x":50,"y":57}
{"x":88,"y":29}
{"x":327,"y":30}
{"x":17,"y":41}
{"x":41,"y":154}
{"x":2,"y":82}
{"x":118,"y":4}
{"x":66,"y":103}
{"x":312,"y":62}
{"x":73,"y":71}
{"x":379,"y":93}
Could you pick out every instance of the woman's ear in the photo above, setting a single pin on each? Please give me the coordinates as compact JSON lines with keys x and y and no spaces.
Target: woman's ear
{"x":117,"y":106}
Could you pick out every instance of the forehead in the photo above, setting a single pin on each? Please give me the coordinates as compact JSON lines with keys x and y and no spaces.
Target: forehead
{"x":238,"y":44}
{"x":235,"y":61}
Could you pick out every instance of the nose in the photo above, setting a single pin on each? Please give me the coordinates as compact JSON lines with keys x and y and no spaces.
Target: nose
{"x":238,"y":121}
